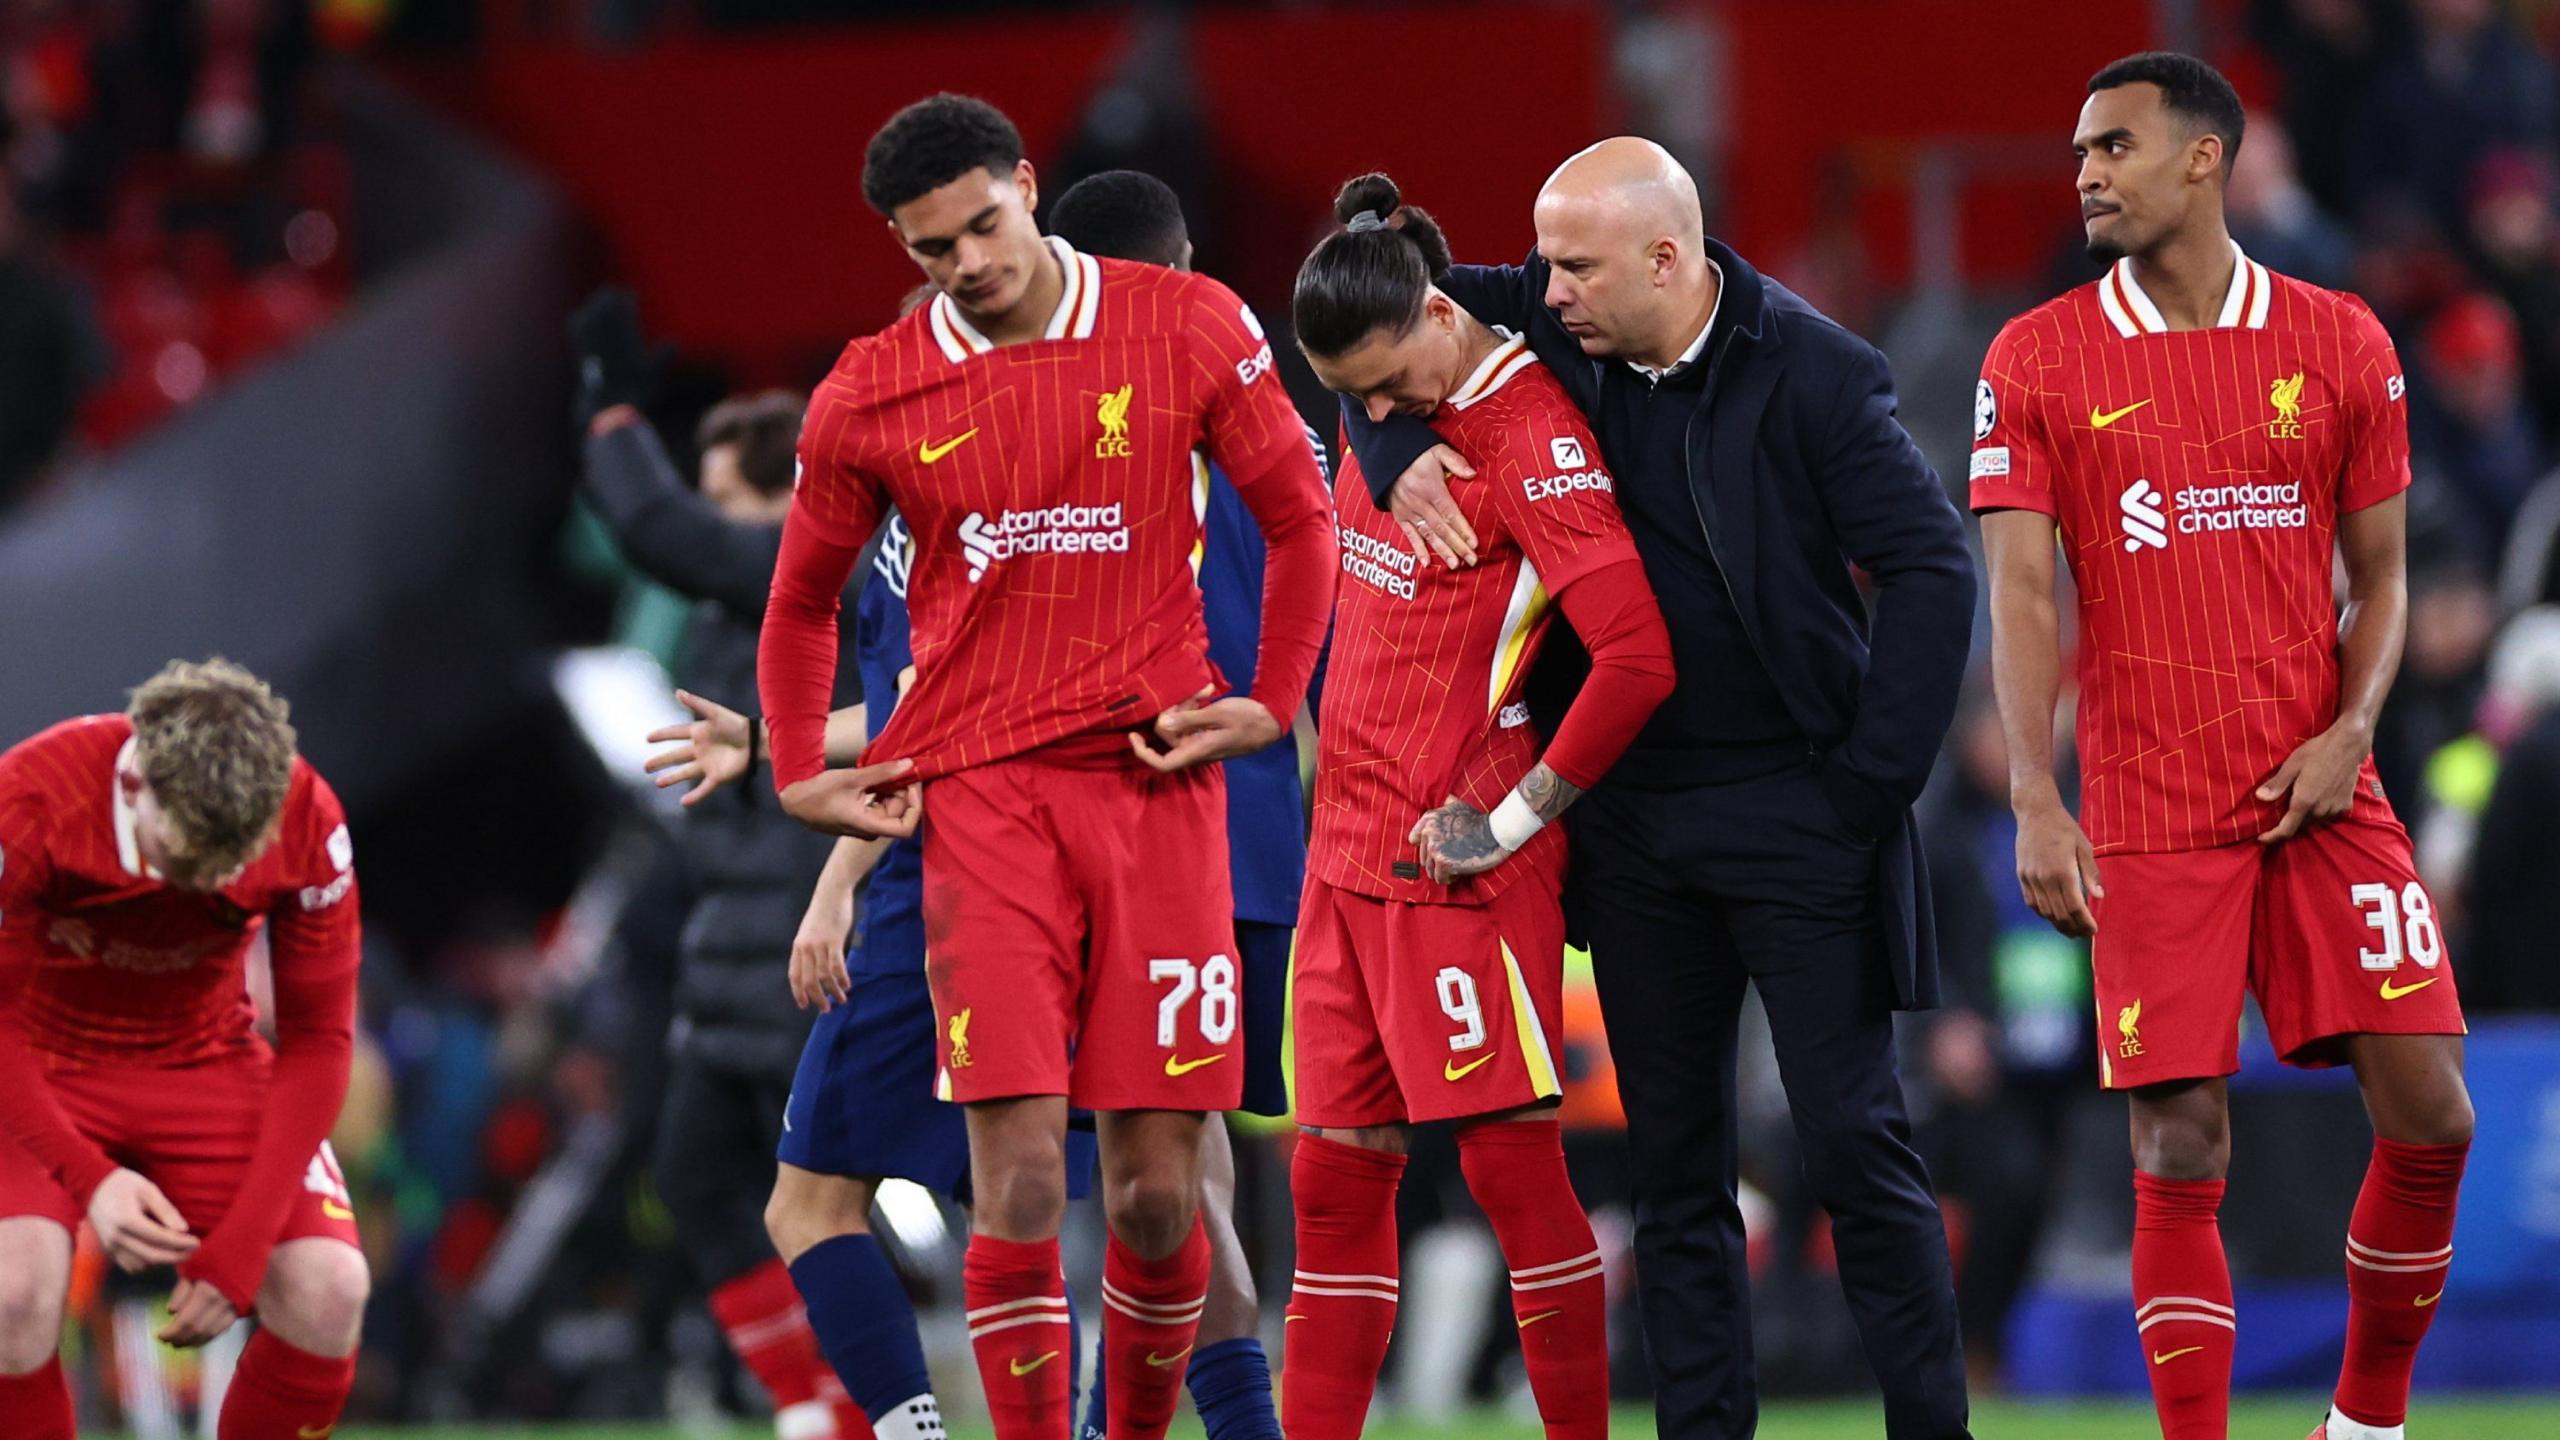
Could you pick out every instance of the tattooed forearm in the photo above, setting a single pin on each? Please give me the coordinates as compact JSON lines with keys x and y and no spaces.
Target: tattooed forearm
{"x":1547,"y":792}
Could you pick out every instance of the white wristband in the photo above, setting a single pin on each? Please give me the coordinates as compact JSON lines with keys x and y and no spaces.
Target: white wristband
{"x":1513,"y":822}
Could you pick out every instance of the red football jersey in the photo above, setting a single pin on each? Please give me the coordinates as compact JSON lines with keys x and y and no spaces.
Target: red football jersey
{"x":127,"y":969}
{"x":2197,"y":478}
{"x":1048,"y":486}
{"x":1422,"y":690}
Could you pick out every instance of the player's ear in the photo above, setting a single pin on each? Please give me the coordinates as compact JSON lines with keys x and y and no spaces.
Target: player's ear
{"x":1027,"y":181}
{"x":2204,"y":156}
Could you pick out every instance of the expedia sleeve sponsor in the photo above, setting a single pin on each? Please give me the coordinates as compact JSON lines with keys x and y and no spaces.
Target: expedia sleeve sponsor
{"x":1384,"y":566}
{"x":1556,"y":487}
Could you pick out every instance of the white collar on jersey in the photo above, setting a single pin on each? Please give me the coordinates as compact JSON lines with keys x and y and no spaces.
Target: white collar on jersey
{"x":128,"y":840}
{"x":1078,"y":303}
{"x":1508,"y":359}
{"x":2132,"y":312}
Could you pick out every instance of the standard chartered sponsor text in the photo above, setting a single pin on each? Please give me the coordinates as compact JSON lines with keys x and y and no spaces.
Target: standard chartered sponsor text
{"x":1057,"y":530}
{"x":1383,"y":564}
{"x":2214,"y":508}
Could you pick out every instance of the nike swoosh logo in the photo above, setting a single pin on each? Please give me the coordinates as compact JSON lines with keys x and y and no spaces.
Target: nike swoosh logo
{"x":929,"y":452}
{"x":1162,"y":1360}
{"x":335,"y":1211}
{"x":1294,"y":1319}
{"x":1541,"y":1315}
{"x":1020,"y":1369}
{"x":2163,"y":1357}
{"x":2390,"y":992}
{"x":1452,"y":1070}
{"x":1176,"y":1065}
{"x":315,"y":1432}
{"x":2101,"y":419}
{"x":2424,"y":1301}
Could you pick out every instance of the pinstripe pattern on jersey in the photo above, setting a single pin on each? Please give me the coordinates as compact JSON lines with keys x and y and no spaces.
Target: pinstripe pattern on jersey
{"x":1015,"y":652}
{"x":2206,"y":657}
{"x":1426,"y":659}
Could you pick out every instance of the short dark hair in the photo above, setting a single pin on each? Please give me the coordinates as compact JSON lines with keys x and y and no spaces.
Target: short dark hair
{"x":1123,"y":215}
{"x":2189,"y":88}
{"x":933,"y":142}
{"x":765,"y":428}
{"x":1369,"y":278}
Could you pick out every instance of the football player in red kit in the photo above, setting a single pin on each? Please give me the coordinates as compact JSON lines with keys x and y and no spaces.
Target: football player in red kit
{"x":1430,"y":971}
{"x":1034,"y":425}
{"x":2202,"y":436}
{"x":139,"y":853}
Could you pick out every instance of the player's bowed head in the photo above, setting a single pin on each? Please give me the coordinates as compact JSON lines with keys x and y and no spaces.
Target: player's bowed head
{"x":1369,"y":319}
{"x":949,"y":176}
{"x":207,"y":776}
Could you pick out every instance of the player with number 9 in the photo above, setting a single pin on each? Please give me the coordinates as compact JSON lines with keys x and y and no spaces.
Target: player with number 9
{"x":1429,"y":974}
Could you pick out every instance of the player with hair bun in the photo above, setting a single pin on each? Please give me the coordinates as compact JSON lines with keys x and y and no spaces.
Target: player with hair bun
{"x":1430,"y":964}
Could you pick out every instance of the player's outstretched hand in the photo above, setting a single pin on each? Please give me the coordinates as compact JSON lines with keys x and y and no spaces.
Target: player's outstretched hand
{"x":2322,"y":778}
{"x":708,"y":751}
{"x":1196,"y":733}
{"x":136,"y":1224}
{"x":1456,"y":841}
{"x":197,"y":1313}
{"x":2057,"y":870}
{"x":817,"y":953}
{"x":858,"y":802}
{"x":1432,"y":522}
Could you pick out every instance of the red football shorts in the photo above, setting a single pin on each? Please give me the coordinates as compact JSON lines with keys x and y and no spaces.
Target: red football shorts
{"x":189,"y":1131}
{"x":1407,"y":1012}
{"x":2331,"y":930}
{"x":1079,"y":938}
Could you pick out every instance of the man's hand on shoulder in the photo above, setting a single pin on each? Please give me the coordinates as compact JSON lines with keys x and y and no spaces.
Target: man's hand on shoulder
{"x":1422,"y":506}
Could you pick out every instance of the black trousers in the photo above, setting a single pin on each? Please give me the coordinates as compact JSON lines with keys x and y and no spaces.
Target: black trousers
{"x":1687,"y":896}
{"x":713,"y":1164}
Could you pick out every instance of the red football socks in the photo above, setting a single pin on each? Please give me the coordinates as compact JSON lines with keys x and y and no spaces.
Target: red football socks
{"x":36,"y":1405}
{"x":1017,"y":1302}
{"x":1515,"y":1170}
{"x":1342,"y":1304}
{"x":1151,"y":1318}
{"x":279,"y":1391}
{"x":2182,"y":1304}
{"x":2399,"y":1247}
{"x":767,"y":1326}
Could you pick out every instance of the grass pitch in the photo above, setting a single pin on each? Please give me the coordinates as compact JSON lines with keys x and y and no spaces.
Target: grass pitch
{"x":2484,"y":1418}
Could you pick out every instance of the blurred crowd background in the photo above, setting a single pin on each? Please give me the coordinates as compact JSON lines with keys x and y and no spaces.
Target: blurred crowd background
{"x":283,"y":375}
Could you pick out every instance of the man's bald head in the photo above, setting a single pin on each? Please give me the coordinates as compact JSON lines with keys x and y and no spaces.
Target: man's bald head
{"x":1634,"y":181}
{"x":1621,"y":226}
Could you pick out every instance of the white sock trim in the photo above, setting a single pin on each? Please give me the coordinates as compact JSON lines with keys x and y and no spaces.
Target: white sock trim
{"x":2342,"y":1428}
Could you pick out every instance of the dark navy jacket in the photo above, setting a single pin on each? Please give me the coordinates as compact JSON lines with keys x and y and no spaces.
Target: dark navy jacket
{"x":1800,"y":471}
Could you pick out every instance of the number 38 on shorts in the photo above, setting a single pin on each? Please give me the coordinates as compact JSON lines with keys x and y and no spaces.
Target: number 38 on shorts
{"x":2332,"y":931}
